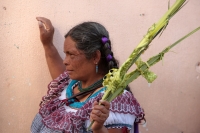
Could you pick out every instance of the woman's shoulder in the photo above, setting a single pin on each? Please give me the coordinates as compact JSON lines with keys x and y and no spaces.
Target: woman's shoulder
{"x":55,"y":87}
{"x":126,"y":103}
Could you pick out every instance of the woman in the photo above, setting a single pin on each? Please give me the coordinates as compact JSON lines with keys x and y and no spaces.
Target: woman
{"x":73,"y":97}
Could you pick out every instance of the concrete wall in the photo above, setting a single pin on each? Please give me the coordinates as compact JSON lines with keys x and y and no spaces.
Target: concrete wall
{"x":171,"y":102}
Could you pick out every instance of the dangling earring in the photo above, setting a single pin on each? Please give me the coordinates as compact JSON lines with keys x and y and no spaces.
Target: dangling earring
{"x":96,"y":68}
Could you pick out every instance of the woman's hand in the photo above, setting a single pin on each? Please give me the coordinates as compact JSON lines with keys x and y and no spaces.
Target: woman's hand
{"x":46,"y":30}
{"x":99,"y":114}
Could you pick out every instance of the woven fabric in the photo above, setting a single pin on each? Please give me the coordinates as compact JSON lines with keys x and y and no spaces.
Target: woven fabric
{"x":39,"y":127}
{"x":53,"y":116}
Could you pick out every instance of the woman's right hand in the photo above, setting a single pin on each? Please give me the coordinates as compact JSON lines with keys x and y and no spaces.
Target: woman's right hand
{"x":99,"y":114}
{"x":46,"y":30}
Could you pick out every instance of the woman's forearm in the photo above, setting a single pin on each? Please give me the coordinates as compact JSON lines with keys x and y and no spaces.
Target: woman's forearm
{"x":54,"y":61}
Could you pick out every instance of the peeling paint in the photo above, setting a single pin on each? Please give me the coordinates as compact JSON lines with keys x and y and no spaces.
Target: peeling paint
{"x":16,"y":46}
{"x":198,"y":67}
{"x":142,"y":14}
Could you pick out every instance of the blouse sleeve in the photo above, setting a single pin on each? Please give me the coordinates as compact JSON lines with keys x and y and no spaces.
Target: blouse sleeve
{"x":55,"y":88}
{"x":124,"y":111}
{"x":120,"y":120}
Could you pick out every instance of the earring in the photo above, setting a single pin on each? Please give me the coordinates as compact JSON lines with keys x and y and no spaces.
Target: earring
{"x":96,"y":68}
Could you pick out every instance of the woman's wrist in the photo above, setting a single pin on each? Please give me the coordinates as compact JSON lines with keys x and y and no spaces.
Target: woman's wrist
{"x":101,"y":130}
{"x":48,"y":45}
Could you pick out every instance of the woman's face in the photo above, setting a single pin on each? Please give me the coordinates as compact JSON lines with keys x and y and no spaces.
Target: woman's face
{"x":77,"y":65}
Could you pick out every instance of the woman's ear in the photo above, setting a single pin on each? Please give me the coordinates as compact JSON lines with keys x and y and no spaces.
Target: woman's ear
{"x":97,"y":57}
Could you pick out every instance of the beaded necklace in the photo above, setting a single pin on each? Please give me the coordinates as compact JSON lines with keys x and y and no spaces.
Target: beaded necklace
{"x":71,"y":98}
{"x":91,"y":87}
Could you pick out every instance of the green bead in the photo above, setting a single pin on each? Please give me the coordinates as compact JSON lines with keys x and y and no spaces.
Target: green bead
{"x":95,"y":85}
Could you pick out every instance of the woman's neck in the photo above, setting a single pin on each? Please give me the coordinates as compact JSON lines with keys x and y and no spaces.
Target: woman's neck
{"x":89,"y":81}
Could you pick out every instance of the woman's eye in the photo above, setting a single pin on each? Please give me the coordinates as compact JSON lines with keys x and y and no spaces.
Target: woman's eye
{"x":69,"y":54}
{"x":72,"y":55}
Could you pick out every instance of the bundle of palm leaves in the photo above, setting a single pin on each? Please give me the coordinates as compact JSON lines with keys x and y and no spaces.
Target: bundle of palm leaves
{"x":117,"y":79}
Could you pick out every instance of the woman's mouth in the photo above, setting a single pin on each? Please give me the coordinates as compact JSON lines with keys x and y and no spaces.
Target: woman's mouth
{"x":69,"y":72}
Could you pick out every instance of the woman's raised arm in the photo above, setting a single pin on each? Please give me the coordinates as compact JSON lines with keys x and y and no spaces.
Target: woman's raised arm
{"x":54,"y":61}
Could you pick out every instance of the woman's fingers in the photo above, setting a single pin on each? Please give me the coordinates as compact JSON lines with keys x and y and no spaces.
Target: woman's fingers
{"x":46,"y":30}
{"x":103,"y":106}
{"x":42,"y":27}
{"x":106,"y":104}
{"x":46,"y":22}
{"x":99,"y":114}
{"x":95,"y":103}
{"x":101,"y":111}
{"x":99,"y":117}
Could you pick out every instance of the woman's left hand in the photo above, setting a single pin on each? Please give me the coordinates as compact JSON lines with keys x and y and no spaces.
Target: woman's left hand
{"x":99,"y":114}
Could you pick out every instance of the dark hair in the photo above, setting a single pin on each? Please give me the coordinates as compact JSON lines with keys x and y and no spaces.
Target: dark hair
{"x":88,"y":37}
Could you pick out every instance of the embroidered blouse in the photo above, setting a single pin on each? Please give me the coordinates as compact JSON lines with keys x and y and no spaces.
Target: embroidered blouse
{"x":74,"y":117}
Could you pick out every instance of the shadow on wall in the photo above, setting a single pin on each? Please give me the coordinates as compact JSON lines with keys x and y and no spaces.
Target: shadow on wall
{"x":58,"y":41}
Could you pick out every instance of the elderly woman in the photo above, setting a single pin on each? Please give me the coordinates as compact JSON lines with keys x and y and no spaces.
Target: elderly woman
{"x":72,"y":99}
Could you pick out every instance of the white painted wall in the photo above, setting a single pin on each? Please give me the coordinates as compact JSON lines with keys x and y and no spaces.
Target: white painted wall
{"x":171,"y":103}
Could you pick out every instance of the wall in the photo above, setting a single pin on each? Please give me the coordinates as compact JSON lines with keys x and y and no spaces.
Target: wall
{"x":171,"y":102}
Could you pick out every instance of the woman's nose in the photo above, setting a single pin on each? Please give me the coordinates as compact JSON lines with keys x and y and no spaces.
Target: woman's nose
{"x":66,"y":60}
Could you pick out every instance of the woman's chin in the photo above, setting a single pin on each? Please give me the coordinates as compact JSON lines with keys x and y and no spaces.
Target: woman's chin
{"x":69,"y":72}
{"x":72,"y":77}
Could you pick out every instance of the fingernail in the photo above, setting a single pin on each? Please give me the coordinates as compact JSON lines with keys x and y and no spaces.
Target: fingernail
{"x":40,"y":24}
